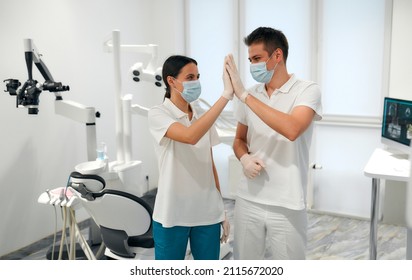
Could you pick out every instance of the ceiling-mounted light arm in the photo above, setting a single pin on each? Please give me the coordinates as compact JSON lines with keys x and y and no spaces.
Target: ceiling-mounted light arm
{"x":150,"y":49}
{"x":140,"y":72}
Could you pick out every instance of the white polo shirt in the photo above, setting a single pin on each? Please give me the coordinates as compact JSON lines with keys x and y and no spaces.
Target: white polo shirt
{"x":187,"y":194}
{"x":283,"y":181}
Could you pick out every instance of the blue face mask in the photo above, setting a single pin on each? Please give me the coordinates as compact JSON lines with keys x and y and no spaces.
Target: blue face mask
{"x":260,"y":73}
{"x":191,"y":90}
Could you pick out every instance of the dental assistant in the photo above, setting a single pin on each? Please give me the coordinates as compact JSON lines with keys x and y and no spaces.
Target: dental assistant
{"x":272,"y":142}
{"x":189,"y":206}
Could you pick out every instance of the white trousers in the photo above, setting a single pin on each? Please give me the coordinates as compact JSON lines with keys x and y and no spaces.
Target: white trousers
{"x":268,"y":232}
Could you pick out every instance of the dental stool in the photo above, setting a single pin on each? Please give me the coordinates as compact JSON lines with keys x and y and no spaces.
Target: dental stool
{"x":125,"y":220}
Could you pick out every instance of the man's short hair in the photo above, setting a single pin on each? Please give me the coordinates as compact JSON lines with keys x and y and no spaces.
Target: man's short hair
{"x":272,"y":39}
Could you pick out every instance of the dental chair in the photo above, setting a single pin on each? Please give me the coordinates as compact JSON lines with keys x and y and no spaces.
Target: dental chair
{"x":125,"y":220}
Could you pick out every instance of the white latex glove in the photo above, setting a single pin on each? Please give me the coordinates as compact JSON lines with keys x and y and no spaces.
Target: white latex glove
{"x":251,"y":165}
{"x":226,"y":230}
{"x":237,"y":84}
{"x":228,"y":91}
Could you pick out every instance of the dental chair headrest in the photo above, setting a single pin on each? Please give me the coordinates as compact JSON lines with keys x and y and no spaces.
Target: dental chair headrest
{"x":87,"y":184}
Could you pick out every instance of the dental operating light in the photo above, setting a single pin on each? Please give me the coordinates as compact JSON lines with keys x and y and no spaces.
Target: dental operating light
{"x":138,"y":72}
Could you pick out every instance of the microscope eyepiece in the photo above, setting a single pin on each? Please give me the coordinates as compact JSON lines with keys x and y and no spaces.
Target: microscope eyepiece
{"x":11,"y":86}
{"x":55,"y":86}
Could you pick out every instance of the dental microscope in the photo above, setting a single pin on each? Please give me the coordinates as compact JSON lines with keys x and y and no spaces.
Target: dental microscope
{"x":28,"y":96}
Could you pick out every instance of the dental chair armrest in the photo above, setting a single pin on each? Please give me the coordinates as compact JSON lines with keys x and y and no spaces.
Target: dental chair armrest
{"x":88,"y":185}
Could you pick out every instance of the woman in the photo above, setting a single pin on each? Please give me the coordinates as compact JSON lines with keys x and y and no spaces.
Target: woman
{"x":189,"y":206}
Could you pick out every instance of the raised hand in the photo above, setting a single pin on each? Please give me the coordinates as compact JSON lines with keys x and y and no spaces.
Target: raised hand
{"x":228,"y":91}
{"x":237,"y":84}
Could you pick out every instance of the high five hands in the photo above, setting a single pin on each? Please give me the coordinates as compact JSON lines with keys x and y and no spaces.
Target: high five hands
{"x":237,"y":85}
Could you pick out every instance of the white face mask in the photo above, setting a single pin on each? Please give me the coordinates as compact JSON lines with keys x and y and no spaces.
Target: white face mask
{"x":260,"y":73}
{"x":191,"y":90}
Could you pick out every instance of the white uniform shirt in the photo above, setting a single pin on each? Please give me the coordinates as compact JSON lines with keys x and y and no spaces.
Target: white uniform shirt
{"x":283,"y":181}
{"x":187,"y":194}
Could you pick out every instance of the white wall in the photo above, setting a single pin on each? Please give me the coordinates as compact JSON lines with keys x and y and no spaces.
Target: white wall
{"x":350,"y":73}
{"x":39,"y":152}
{"x":394,"y":202}
{"x":401,"y":53}
{"x":345,"y":196}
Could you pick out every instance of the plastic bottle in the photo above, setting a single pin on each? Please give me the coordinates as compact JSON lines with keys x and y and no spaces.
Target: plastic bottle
{"x":101,"y":151}
{"x":102,"y":155}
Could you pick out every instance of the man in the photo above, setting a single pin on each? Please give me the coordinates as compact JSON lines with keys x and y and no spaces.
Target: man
{"x":272,"y":142}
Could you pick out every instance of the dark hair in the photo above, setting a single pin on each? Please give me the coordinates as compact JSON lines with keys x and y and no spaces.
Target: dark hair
{"x":172,"y":67}
{"x":271,"y":39}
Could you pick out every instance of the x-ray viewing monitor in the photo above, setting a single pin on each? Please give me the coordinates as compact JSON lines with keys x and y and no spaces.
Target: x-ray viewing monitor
{"x":397,"y":124}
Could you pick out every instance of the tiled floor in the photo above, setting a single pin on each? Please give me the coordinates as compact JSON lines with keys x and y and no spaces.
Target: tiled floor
{"x":329,"y":237}
{"x":333,"y":237}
